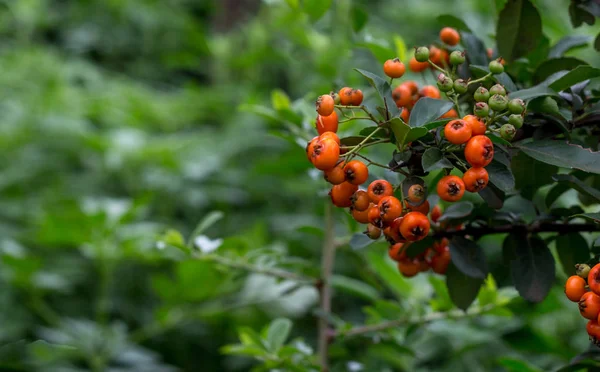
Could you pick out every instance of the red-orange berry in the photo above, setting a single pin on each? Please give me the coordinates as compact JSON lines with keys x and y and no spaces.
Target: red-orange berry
{"x":341,"y":194}
{"x":356,"y":172}
{"x":479,"y":151}
{"x":360,"y":201}
{"x":331,"y":136}
{"x":416,"y":66}
{"x":423,"y":207}
{"x":451,"y":188}
{"x":360,"y":216}
{"x":327,"y":123}
{"x":374,"y":216}
{"x":392,"y":232}
{"x":408,"y":267}
{"x":440,"y":261}
{"x":379,"y":189}
{"x":430,"y":91}
{"x":402,"y":95}
{"x":589,"y":305}
{"x":373,"y":232}
{"x":325,"y":154}
{"x":475,"y":179}
{"x":394,"y":68}
{"x":449,"y":36}
{"x":356,"y":96}
{"x":415,"y":226}
{"x":436,"y":213}
{"x":396,"y":252}
{"x":390,"y":208}
{"x":477,"y":126}
{"x":457,"y":132}
{"x":593,"y":279}
{"x":345,"y":96}
{"x":416,"y":193}
{"x":325,"y":105}
{"x":575,"y":288}
{"x":335,"y":175}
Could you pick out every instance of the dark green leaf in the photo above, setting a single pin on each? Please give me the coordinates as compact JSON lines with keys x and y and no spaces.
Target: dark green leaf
{"x":400,"y":130}
{"x":359,"y":17}
{"x":316,"y":8}
{"x":368,"y":130}
{"x":579,"y":15}
{"x":536,"y":91}
{"x":381,"y":52}
{"x":457,"y":211}
{"x":447,"y":20}
{"x":575,"y":76}
{"x":476,"y":51}
{"x":427,"y":110}
{"x":415,"y":133}
{"x":498,"y":140}
{"x":493,"y":196}
{"x":562,"y":154}
{"x":501,"y":176}
{"x":597,"y":42}
{"x":384,"y":90}
{"x":463,"y":289}
{"x":468,"y":257}
{"x":572,"y":249}
{"x":532,"y":267}
{"x":555,"y":193}
{"x":355,"y":140}
{"x":354,"y":287}
{"x":419,"y":247}
{"x":554,"y":65}
{"x":519,"y":29}
{"x":578,"y":185}
{"x":567,"y":43}
{"x":433,"y":159}
{"x":278,"y":332}
{"x":516,"y":365}
{"x":595,"y":217}
{"x":437,"y":123}
{"x":360,"y":240}
{"x":530,"y":174}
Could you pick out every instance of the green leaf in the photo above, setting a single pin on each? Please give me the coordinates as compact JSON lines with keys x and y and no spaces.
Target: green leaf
{"x":360,"y":240}
{"x":531,"y":265}
{"x":400,"y":130}
{"x":597,"y":42}
{"x":578,"y":185}
{"x":244,"y":350}
{"x":433,"y":159}
{"x":380,"y":264}
{"x":554,"y":65}
{"x":427,"y":110}
{"x":250,"y":337}
{"x":517,"y":365}
{"x":355,"y":287}
{"x":384,"y":90}
{"x":447,"y":20}
{"x":501,"y":176}
{"x":359,"y":17}
{"x":210,"y":219}
{"x":463,"y":289}
{"x":568,"y":43}
{"x":519,"y":29}
{"x":280,"y":100}
{"x":572,"y":249}
{"x":355,"y":140}
{"x":530,"y":174}
{"x":381,"y":52}
{"x":416,"y":248}
{"x":400,"y":47}
{"x":278,"y":332}
{"x":595,"y":217}
{"x":368,"y":130}
{"x":476,"y":51}
{"x":493,"y":196}
{"x":316,"y":8}
{"x":468,"y":257}
{"x":562,"y":154}
{"x":498,"y":140}
{"x":580,"y":15}
{"x":436,"y":124}
{"x":575,"y":76}
{"x":457,"y":211}
{"x":533,"y":92}
{"x":175,"y":239}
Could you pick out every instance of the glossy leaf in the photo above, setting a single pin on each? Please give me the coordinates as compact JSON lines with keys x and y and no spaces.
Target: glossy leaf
{"x":278,"y":332}
{"x":568,"y":43}
{"x":463,"y":289}
{"x":433,"y":159}
{"x":476,"y":51}
{"x":554,"y":65}
{"x":562,"y":154}
{"x":359,"y":17}
{"x":468,"y":257}
{"x":572,"y":249}
{"x":520,"y":27}
{"x":501,"y":176}
{"x":577,"y":184}
{"x":384,"y":90}
{"x":360,"y":240}
{"x":502,"y":78}
{"x":575,"y":76}
{"x":354,"y":287}
{"x":457,"y":210}
{"x":427,"y":110}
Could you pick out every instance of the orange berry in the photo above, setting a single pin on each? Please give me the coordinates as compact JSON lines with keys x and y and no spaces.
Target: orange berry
{"x":310,"y":146}
{"x":345,"y":96}
{"x":325,"y":154}
{"x":402,"y":95}
{"x":416,"y":66}
{"x":450,"y":114}
{"x":423,"y":208}
{"x":405,"y":115}
{"x":436,"y":213}
{"x":477,"y":126}
{"x":593,"y":329}
{"x":457,"y":132}
{"x":396,"y":252}
{"x":449,"y":36}
{"x":373,"y":232}
{"x":327,"y":123}
{"x":415,"y":226}
{"x":335,"y":175}
{"x":435,"y":55}
{"x":360,"y":201}
{"x":589,"y":305}
{"x":451,"y":188}
{"x":392,"y":232}
{"x":374,"y":216}
{"x":390,"y":208}
{"x":325,"y":105}
{"x":394,"y":68}
{"x":479,"y":151}
{"x":412,"y":85}
{"x":416,"y":193}
{"x":360,"y":216}
{"x":408,"y":267}
{"x":575,"y":288}
{"x":439,"y":262}
{"x":356,"y":172}
{"x":475,"y":179}
{"x":430,"y":91}
{"x":379,"y":189}
{"x":341,"y":194}
{"x":357,"y":97}
{"x":330,"y":135}
{"x":593,"y":279}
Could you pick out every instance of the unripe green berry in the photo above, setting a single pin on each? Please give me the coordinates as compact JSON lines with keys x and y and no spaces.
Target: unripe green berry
{"x":460,"y":86}
{"x":498,"y":102}
{"x":336,"y":97}
{"x":515,"y":120}
{"x":496,"y":67}
{"x":481,"y":109}
{"x":422,"y":54}
{"x":481,"y":95}
{"x":507,"y":132}
{"x":516,"y":106}
{"x":444,"y":83}
{"x":582,"y":270}
{"x":457,"y":57}
{"x":498,"y":89}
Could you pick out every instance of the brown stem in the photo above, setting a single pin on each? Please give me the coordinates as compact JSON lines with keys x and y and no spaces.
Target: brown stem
{"x":536,"y":227}
{"x":327,"y":262}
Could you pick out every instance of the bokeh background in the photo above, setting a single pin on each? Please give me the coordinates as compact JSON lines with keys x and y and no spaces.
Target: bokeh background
{"x":123,"y":121}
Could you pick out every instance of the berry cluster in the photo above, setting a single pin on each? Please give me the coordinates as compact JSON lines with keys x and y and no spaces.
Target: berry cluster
{"x":584,"y":288}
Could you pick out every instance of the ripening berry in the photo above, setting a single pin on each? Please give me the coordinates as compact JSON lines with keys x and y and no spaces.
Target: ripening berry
{"x":390,"y":208}
{"x":402,"y":95}
{"x":498,"y":89}
{"x":516,"y":106}
{"x":379,"y":189}
{"x":457,"y":57}
{"x":583,"y":270}
{"x":460,"y":86}
{"x":422,"y":54}
{"x":436,"y":213}
{"x":575,"y":288}
{"x":507,"y":132}
{"x":356,"y":96}
{"x":481,"y":95}
{"x":423,"y":207}
{"x":444,"y":83}
{"x":481,"y":109}
{"x":396,"y":252}
{"x":479,"y":151}
{"x":327,"y":123}
{"x":416,"y":193}
{"x":361,"y":216}
{"x":408,"y":267}
{"x":356,"y":172}
{"x":373,"y":232}
{"x":394,"y":68}
{"x":457,"y":132}
{"x":360,"y":201}
{"x":496,"y":67}
{"x":325,"y":154}
{"x":335,"y":175}
{"x":589,"y":305}
{"x":346,"y":96}
{"x":497,"y":102}
{"x":341,"y":194}
{"x":593,"y":279}
{"x":475,"y":179}
{"x":449,"y":36}
{"x":325,"y":105}
{"x":477,"y":126}
{"x":414,"y":226}
{"x":416,"y":66}
{"x":451,"y":188}
{"x":430,"y":91}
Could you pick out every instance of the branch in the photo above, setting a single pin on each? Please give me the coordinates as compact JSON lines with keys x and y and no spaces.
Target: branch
{"x":260,"y":270}
{"x":456,"y":314}
{"x":327,"y":262}
{"x":536,"y":227}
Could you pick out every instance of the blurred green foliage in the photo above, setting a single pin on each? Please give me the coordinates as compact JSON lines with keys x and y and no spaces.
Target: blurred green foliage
{"x":124,"y":122}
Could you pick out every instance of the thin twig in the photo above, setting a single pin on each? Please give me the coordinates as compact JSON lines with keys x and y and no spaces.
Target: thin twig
{"x":437,"y":67}
{"x":327,"y":262}
{"x":371,"y":162}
